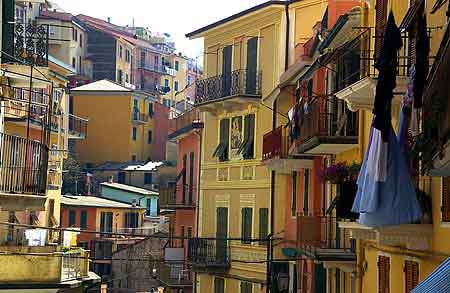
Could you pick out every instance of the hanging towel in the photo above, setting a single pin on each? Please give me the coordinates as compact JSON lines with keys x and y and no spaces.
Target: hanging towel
{"x":36,"y":237}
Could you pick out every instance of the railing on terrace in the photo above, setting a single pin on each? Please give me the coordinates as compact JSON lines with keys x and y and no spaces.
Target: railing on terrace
{"x":158,"y":68}
{"x":238,"y":82}
{"x":276,"y":144}
{"x":77,"y":126}
{"x":23,"y":165}
{"x":209,"y":253}
{"x":322,"y":119}
{"x":140,"y":231}
{"x":187,"y":119}
{"x":168,"y":196}
{"x":175,"y":274}
{"x":317,"y":234}
{"x":139,"y":117}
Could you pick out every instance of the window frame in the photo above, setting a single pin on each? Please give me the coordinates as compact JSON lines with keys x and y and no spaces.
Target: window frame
{"x":134,"y":133}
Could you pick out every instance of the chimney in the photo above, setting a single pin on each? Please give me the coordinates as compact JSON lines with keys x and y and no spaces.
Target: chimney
{"x":109,"y":19}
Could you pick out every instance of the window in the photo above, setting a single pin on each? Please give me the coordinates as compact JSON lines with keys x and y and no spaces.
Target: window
{"x":72,"y":218}
{"x":120,"y":52}
{"x":263,"y":225}
{"x":121,"y":177}
{"x":127,"y":56}
{"x":183,"y":179}
{"x":182,"y":235}
{"x":150,"y":137}
{"x":177,"y":65}
{"x":83,"y":219}
{"x":191,"y":177}
{"x":383,"y":274}
{"x":189,"y":232}
{"x":126,"y":78}
{"x":131,"y":220}
{"x":74,"y":34}
{"x":142,"y":82}
{"x":148,"y":212}
{"x":148,"y":178}
{"x":81,"y":41}
{"x":306,"y":192}
{"x":246,"y":287}
{"x":247,"y":146}
{"x":74,"y":62}
{"x":189,"y":80}
{"x":119,"y":75}
{"x":156,"y":61}
{"x":150,"y":109}
{"x":221,"y":150}
{"x":219,"y":285}
{"x":309,"y":88}
{"x":175,"y":86}
{"x":134,"y":133}
{"x":445,"y":199}
{"x":80,"y":64}
{"x":133,"y":158}
{"x":246,"y":225}
{"x":142,"y":59}
{"x":411,"y":270}
{"x":106,"y":222}
{"x":294,"y":194}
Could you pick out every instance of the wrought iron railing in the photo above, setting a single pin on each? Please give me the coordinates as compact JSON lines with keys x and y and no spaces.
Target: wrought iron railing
{"x":316,"y":233}
{"x":238,"y":82}
{"x":23,"y":165}
{"x":209,"y":253}
{"x":322,"y":118}
{"x":276,"y":144}
{"x":31,"y":43}
{"x":139,"y":117}
{"x":175,"y":274}
{"x":77,"y":126}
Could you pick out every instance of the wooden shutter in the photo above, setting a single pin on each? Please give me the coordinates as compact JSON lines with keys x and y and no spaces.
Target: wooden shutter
{"x":219,"y":285}
{"x":246,"y":228}
{"x":263,"y":225}
{"x":381,"y":20}
{"x":8,"y":28}
{"x":224,"y":138}
{"x":221,"y":232}
{"x":249,"y":126}
{"x":411,"y":270}
{"x":83,"y":219}
{"x":252,"y":65}
{"x":102,"y":221}
{"x":226,"y":70}
{"x":383,"y":274}
{"x":446,"y":199}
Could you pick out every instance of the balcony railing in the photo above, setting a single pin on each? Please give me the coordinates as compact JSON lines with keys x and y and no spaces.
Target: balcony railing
{"x":235,"y":83}
{"x":186,"y":122}
{"x":139,"y":117}
{"x":31,"y":43}
{"x":209,"y":254}
{"x":175,"y":275}
{"x":77,"y":126}
{"x":276,"y":144}
{"x":23,"y":165}
{"x":168,"y":197}
{"x":158,"y":68}
{"x":320,"y":237}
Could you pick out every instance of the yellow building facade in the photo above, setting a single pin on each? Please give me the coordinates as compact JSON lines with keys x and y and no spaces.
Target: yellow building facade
{"x":121,"y":124}
{"x":174,"y":81}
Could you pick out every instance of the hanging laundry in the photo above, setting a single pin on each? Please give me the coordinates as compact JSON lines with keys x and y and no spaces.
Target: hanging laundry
{"x":405,"y":113}
{"x":70,"y":238}
{"x":36,"y":237}
{"x":386,"y":195}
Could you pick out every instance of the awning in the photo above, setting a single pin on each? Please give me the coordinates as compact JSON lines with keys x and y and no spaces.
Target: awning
{"x":411,"y":14}
{"x":437,"y":281}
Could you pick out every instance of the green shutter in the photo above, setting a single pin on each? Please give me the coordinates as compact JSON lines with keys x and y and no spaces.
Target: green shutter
{"x":246,"y":228}
{"x":8,"y":10}
{"x":83,"y":219}
{"x":221,"y":232}
{"x":219,"y":285}
{"x":191,"y":176}
{"x":247,"y":146}
{"x":222,"y":149}
{"x":263,"y":225}
{"x":252,"y":64}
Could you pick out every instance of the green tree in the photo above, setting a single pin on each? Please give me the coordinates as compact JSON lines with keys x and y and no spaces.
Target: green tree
{"x":73,"y":176}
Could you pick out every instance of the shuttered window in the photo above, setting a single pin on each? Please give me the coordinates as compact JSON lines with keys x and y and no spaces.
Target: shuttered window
{"x":263,"y":225}
{"x":191,"y":176}
{"x":183,"y":181}
{"x":221,"y":151}
{"x":294,"y":194}
{"x":247,"y":146}
{"x":411,"y":275}
{"x":246,"y":229}
{"x":83,"y":219}
{"x":381,"y":20}
{"x":383,"y":274}
{"x":219,"y":285}
{"x":106,"y":223}
{"x":251,"y":86}
{"x":72,"y":218}
{"x":131,"y":220}
{"x":246,"y":287}
{"x":446,"y":199}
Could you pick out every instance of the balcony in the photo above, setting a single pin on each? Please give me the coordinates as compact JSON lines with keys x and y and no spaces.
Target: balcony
{"x":320,"y":238}
{"x":175,"y":275}
{"x":237,"y":88}
{"x":325,"y":130}
{"x":23,"y":173}
{"x":276,"y":153}
{"x":30,"y":43}
{"x":209,"y":255}
{"x":168,"y":197}
{"x":139,"y":118}
{"x":186,"y":123}
{"x":77,"y":127}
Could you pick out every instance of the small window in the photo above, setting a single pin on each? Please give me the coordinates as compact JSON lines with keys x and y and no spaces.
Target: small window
{"x":148,"y":178}
{"x":81,"y":41}
{"x":166,"y":82}
{"x":411,"y":270}
{"x":75,"y":35}
{"x":150,"y":109}
{"x":134,"y":133}
{"x":310,"y":88}
{"x":126,"y":78}
{"x":150,"y":137}
{"x":177,"y":65}
{"x":120,"y":76}
{"x":121,"y":177}
{"x":384,"y":274}
{"x":246,"y":227}
{"x":189,"y":80}
{"x":83,"y":219}
{"x":74,"y":62}
{"x":175,"y":86}
{"x":72,"y":218}
{"x":120,"y":52}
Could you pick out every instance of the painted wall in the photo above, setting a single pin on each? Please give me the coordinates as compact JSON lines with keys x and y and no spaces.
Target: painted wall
{"x":128,"y":197}
{"x":160,"y":132}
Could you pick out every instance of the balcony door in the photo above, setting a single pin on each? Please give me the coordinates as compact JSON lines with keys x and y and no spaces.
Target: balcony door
{"x":252,"y":66}
{"x":221,"y":232}
{"x":226,"y":70}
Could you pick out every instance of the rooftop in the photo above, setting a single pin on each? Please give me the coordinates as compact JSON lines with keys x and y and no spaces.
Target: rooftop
{"x":93,"y":201}
{"x":128,"y":166}
{"x":129,"y":188}
{"x":103,"y":85}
